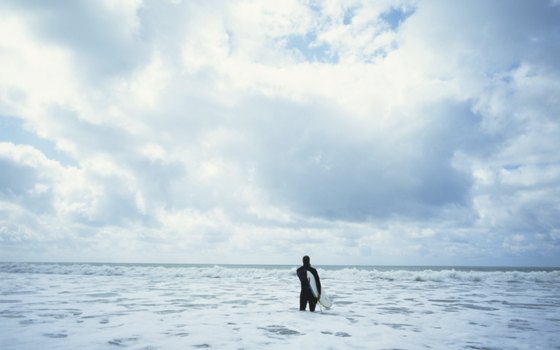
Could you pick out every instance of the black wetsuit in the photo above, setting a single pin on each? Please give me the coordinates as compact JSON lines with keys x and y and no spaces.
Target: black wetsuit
{"x":305,"y":296}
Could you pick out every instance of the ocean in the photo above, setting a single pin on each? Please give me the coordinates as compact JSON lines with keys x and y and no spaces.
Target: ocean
{"x":154,"y":306}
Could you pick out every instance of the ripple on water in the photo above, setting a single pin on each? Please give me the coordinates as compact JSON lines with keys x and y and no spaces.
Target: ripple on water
{"x":397,"y":325}
{"x":280,"y":330}
{"x":169,"y":311}
{"x":19,"y":292}
{"x":239,"y":302}
{"x":520,"y":325}
{"x":342,"y":334}
{"x":122,"y":342}
{"x":480,"y":347}
{"x":477,"y":307}
{"x":11,"y":314}
{"x":31,"y":321}
{"x":525,"y":305}
{"x":337,"y":334}
{"x":395,"y":310}
{"x":103,"y":295}
{"x":55,"y":335}
{"x":445,"y":301}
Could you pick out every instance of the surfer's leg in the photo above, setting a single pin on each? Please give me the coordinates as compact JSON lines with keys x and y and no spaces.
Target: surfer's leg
{"x":302,"y":301}
{"x":312,"y":304}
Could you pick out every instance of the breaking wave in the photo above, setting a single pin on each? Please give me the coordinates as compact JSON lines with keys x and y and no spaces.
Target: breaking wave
{"x":397,"y":275}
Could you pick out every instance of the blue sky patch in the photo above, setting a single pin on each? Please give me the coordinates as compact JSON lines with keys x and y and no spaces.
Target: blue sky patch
{"x":396,"y":16}
{"x":13,"y":130}
{"x":311,"y":50}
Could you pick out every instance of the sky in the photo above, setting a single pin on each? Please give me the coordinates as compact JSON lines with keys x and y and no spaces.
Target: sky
{"x":255,"y":132}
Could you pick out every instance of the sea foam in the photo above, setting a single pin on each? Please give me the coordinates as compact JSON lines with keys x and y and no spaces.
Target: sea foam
{"x":109,"y":306}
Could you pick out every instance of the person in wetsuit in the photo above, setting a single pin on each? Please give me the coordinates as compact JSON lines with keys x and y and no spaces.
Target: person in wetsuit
{"x":305,"y":296}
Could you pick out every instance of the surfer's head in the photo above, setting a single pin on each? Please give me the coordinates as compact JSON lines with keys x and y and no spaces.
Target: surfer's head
{"x":306,"y":260}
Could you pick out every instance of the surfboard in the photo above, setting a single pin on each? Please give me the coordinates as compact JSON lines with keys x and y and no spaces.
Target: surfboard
{"x":324,"y":300}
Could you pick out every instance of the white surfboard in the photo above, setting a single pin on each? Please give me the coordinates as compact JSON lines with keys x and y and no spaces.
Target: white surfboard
{"x":324,"y":300}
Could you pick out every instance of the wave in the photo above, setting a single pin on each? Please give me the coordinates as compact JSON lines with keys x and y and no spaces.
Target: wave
{"x":255,"y":272}
{"x":449,"y":275}
{"x":141,"y":270}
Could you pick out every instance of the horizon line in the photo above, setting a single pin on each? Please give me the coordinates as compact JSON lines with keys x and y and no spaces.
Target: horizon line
{"x":262,"y":264}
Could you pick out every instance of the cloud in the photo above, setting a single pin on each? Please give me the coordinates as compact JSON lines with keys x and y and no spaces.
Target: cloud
{"x":330,"y":170}
{"x":399,"y":133}
{"x":23,"y":181}
{"x":103,"y":38}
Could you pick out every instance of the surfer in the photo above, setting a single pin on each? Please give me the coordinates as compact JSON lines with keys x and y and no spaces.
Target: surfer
{"x":306,"y":296}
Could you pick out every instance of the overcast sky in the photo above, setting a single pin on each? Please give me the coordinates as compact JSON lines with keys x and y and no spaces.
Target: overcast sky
{"x":358,"y":132}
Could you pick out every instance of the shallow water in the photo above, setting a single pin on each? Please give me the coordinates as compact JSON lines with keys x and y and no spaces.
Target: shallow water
{"x":96,"y":306}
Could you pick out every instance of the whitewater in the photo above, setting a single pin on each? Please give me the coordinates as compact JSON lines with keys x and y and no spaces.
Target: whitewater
{"x":140,"y":306}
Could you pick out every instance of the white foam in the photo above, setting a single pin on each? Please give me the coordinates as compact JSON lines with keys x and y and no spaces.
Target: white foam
{"x":351,"y":274}
{"x":85,"y":306}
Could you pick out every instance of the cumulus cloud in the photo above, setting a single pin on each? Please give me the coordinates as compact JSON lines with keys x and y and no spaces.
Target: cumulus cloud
{"x":396,"y":132}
